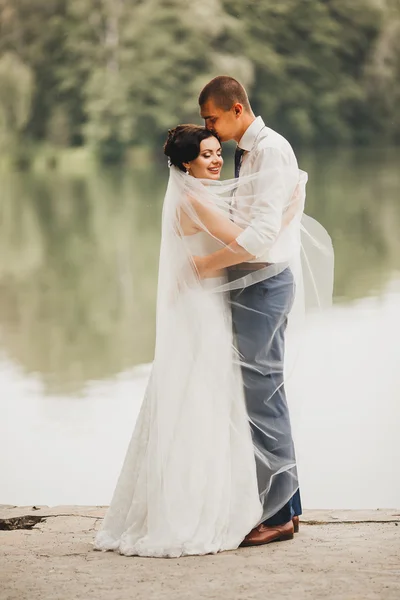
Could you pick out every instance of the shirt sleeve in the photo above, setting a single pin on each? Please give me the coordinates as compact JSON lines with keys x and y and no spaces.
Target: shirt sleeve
{"x":270,"y":195}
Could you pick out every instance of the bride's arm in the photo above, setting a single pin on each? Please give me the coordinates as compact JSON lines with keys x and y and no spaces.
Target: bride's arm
{"x":210,"y":220}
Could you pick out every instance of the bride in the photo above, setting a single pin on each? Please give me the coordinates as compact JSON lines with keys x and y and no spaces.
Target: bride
{"x":188,"y":484}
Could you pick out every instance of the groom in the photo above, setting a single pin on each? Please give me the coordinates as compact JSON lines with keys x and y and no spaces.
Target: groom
{"x":259,"y":311}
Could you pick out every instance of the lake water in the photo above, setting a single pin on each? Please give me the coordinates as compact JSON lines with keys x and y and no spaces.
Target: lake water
{"x":78,"y":268}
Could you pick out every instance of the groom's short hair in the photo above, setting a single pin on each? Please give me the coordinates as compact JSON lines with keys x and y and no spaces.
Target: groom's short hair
{"x":225,"y":92}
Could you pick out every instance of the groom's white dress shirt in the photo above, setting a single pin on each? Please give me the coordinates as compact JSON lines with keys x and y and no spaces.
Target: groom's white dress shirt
{"x":270,"y":154}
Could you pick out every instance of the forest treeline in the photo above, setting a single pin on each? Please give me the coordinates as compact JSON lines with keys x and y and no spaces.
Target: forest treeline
{"x":112,"y":74}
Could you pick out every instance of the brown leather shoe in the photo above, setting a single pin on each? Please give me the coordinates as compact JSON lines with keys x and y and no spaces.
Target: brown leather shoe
{"x":264,"y":534}
{"x":296,"y":524}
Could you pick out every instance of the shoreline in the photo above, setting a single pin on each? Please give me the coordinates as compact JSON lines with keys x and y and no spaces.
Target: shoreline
{"x":320,"y":516}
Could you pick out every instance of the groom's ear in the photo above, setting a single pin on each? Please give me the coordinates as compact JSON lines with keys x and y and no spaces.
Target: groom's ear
{"x":238,"y":109}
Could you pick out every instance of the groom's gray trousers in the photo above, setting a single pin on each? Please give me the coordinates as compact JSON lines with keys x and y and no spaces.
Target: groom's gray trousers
{"x":259,"y":314}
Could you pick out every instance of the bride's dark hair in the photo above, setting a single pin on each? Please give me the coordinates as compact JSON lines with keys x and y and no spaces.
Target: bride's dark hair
{"x":183,"y":143}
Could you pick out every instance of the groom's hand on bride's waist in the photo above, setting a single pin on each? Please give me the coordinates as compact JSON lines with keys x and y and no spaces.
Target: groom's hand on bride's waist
{"x":231,"y":254}
{"x":214,"y":264}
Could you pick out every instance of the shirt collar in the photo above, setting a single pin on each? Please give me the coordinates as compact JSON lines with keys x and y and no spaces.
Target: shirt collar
{"x":249,"y":137}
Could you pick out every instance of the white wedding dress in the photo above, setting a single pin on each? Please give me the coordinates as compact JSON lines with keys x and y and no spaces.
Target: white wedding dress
{"x":188,"y":484}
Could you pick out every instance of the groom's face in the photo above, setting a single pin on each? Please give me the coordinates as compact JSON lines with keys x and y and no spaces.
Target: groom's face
{"x":222,"y":122}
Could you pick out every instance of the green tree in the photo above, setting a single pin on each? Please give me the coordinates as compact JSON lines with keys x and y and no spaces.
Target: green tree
{"x":382,"y":75}
{"x":309,"y":57}
{"x":16,"y":90}
{"x":113,"y":73}
{"x":142,"y":64}
{"x":37,"y":32}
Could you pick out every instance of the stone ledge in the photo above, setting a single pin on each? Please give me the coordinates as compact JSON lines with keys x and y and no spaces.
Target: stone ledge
{"x":311,"y":516}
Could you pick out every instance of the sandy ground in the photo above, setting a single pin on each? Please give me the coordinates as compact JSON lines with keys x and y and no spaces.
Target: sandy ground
{"x":346,"y":555}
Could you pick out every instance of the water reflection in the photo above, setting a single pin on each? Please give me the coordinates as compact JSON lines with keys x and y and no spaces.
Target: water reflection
{"x":78,"y":266}
{"x":78,"y":274}
{"x":356,"y":195}
{"x":78,"y":257}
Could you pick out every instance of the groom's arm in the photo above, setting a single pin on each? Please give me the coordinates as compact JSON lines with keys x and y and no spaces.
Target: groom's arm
{"x":270,"y":194}
{"x":233,"y":254}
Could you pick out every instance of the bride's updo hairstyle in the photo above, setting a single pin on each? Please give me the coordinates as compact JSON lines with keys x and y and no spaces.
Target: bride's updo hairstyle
{"x":183,"y":144}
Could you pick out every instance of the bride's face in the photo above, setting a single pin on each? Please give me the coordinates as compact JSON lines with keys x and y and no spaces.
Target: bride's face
{"x":209,"y":162}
